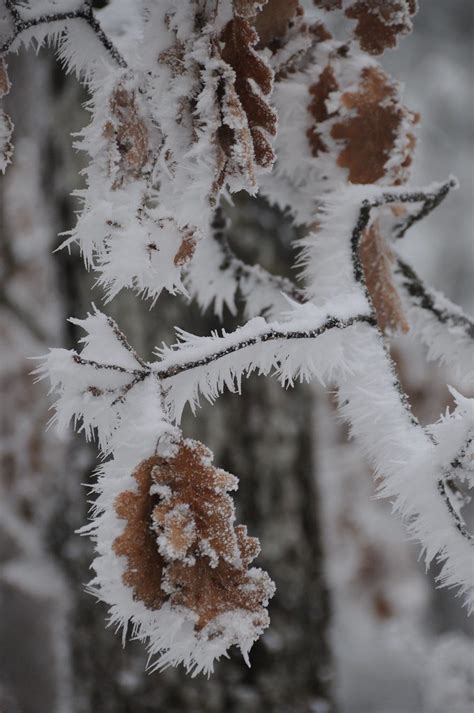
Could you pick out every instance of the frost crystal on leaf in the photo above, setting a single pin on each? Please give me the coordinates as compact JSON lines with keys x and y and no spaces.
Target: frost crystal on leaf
{"x":182,"y":565}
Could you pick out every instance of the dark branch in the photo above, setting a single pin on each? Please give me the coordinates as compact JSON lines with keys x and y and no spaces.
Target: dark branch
{"x":128,"y":387}
{"x":123,"y":341}
{"x":447,"y":485}
{"x":270,"y":335}
{"x":429,"y":201}
{"x":84,"y":13}
{"x":13,"y":10}
{"x":112,"y":367}
{"x":241,"y":270}
{"x":424,"y":298}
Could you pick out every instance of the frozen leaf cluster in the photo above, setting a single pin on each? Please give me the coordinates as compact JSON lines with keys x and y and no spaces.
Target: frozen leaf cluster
{"x":191,"y":101}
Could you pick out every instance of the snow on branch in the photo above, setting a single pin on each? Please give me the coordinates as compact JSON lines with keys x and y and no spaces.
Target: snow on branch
{"x":170,"y":559}
{"x":326,"y":250}
{"x":308,"y":346}
{"x":54,"y":23}
{"x":216,"y":276}
{"x":441,"y":325}
{"x":411,"y":461}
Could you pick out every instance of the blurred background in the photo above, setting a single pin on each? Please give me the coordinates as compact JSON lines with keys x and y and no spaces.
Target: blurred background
{"x":357,"y":626}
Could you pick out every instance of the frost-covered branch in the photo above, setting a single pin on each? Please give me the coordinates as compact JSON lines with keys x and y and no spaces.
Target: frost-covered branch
{"x":452,"y":494}
{"x":427,"y":298}
{"x":441,"y":325}
{"x":429,"y":199}
{"x":320,"y":251}
{"x":256,"y":333}
{"x":216,"y":274}
{"x":404,"y":454}
{"x":84,"y":13}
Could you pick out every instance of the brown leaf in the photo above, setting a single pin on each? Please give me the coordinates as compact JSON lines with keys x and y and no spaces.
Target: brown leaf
{"x":180,"y":541}
{"x":145,"y":565}
{"x":211,"y":592}
{"x":128,"y":132}
{"x":273,"y":21}
{"x":202,"y":487}
{"x":370,"y":132}
{"x":380,"y":22}
{"x":377,"y":257}
{"x":239,"y":39}
{"x":186,"y":249}
{"x":320,"y":92}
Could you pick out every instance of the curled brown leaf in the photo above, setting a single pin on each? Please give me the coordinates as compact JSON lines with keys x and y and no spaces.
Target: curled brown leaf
{"x":180,"y":542}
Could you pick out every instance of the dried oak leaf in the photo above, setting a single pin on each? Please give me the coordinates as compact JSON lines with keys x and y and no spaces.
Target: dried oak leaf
{"x":235,"y":149}
{"x":186,"y":249}
{"x":377,"y":258}
{"x":180,"y":541}
{"x":253,"y":84}
{"x":211,"y":592}
{"x":144,"y":572}
{"x":128,"y":133}
{"x":371,"y":129}
{"x":273,"y":21}
{"x":189,"y":480}
{"x":320,"y":92}
{"x":380,"y":22}
{"x":283,"y":29}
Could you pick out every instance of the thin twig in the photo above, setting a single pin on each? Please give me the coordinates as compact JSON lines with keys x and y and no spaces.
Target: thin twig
{"x":425,"y":298}
{"x":266,"y":336}
{"x":446,"y":483}
{"x":363,"y":220}
{"x":98,"y":365}
{"x":85,"y":13}
{"x":429,"y":203}
{"x":241,"y":270}
{"x":128,"y":387}
{"x":123,"y":341}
